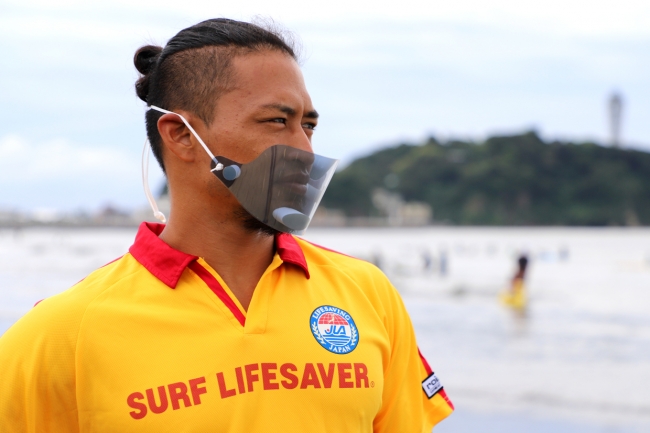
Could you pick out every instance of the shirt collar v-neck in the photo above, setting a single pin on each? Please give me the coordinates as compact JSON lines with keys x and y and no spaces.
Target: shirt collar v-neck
{"x":167,"y":264}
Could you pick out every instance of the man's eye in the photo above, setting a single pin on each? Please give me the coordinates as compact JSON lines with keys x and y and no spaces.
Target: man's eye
{"x":309,"y":125}
{"x":279,"y":120}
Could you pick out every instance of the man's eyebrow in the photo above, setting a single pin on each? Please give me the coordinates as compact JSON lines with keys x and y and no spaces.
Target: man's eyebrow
{"x":290,"y":111}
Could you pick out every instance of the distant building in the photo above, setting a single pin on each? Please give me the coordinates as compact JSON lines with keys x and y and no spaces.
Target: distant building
{"x":324,"y":217}
{"x":400,"y":212}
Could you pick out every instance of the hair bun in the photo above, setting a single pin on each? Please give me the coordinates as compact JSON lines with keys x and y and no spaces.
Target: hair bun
{"x":145,"y":60}
{"x":146,"y":57}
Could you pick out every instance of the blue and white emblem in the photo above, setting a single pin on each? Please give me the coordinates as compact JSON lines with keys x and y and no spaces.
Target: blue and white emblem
{"x":334,"y":329}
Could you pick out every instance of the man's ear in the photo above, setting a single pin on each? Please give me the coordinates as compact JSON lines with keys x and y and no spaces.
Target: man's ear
{"x":176,"y":137}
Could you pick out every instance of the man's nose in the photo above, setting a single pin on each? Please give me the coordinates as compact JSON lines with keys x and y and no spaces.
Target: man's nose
{"x":305,"y":156}
{"x":300,"y":140}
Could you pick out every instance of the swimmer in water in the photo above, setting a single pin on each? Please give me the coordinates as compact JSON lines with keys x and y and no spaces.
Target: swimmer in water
{"x":516,"y":296}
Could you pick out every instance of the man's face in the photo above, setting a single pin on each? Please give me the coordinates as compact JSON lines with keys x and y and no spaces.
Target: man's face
{"x":269,"y":105}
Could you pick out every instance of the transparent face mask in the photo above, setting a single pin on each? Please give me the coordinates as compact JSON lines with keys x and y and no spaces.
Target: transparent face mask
{"x":281,"y":188}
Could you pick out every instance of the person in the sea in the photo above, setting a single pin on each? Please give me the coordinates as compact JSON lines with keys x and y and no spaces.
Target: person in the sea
{"x":520,"y":276}
{"x":515,"y":296}
{"x":223,"y":320}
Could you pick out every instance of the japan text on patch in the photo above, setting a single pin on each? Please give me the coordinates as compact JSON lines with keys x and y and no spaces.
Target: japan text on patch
{"x":431,"y":385}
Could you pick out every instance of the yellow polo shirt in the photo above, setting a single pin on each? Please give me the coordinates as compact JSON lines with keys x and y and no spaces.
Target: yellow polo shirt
{"x":156,"y":342}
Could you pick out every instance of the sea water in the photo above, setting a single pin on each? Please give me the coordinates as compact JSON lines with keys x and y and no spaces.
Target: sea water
{"x":577,"y":359}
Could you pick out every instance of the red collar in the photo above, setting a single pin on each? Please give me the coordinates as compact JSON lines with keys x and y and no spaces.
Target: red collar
{"x":168,"y":264}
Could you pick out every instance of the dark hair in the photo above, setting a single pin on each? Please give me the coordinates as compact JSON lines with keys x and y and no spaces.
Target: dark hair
{"x":194,"y":68}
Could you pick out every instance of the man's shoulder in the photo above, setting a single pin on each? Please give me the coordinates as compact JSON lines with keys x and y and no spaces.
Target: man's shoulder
{"x":62,"y":313}
{"x":320,"y":255}
{"x":359,"y":270}
{"x":96,"y":283}
{"x":353,"y":276}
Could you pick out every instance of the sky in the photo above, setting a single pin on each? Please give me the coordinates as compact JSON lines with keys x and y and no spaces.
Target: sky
{"x":379,"y":73}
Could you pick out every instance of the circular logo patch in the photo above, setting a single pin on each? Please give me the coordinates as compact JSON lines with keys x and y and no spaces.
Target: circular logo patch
{"x":334,"y":329}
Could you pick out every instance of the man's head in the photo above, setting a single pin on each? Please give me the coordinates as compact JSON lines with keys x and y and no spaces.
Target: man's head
{"x":195,"y":68}
{"x":240,"y":87}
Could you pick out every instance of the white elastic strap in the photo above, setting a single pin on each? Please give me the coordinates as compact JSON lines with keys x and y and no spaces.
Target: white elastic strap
{"x":162,"y":110}
{"x":145,"y":182}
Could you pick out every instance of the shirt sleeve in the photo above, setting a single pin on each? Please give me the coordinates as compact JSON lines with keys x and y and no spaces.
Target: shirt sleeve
{"x":37,"y":389}
{"x":413,"y":398}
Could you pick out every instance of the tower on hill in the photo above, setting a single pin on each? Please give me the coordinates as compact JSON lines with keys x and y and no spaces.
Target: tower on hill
{"x":615,"y":112}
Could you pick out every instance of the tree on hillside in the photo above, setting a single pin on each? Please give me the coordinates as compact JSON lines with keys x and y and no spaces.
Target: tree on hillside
{"x":506,"y":180}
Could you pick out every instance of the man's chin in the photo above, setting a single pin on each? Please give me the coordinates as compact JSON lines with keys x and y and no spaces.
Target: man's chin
{"x":252,"y":224}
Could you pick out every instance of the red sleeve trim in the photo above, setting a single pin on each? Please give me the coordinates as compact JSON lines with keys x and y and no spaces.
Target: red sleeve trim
{"x":427,"y":367}
{"x":429,"y":371}
{"x":214,"y":285}
{"x":443,"y":394}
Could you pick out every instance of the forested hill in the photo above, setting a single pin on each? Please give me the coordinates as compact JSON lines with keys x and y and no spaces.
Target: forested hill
{"x":509,"y":180}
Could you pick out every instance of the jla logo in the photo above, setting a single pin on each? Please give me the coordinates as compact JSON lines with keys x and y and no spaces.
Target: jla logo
{"x":334,"y":329}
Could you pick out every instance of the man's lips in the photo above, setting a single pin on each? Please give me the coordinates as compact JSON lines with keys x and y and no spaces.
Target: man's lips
{"x":295,"y":183}
{"x":299,"y":177}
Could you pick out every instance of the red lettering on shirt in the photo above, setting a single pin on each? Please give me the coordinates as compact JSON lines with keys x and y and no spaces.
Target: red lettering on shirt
{"x":343,"y":375}
{"x":268,"y":375}
{"x":151,"y":401}
{"x":140,"y":408}
{"x":361,"y":375}
{"x":288,"y":375}
{"x":326,"y":377}
{"x":240,"y":380}
{"x":223,"y":390}
{"x":309,"y":377}
{"x":250,"y":377}
{"x":177,"y":392}
{"x":196,"y":391}
{"x":285,"y":371}
{"x":174,"y":393}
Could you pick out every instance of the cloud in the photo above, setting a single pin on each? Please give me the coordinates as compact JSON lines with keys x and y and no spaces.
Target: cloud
{"x":378,"y":72}
{"x":65,"y":175}
{"x":575,"y":17}
{"x":59,"y":159}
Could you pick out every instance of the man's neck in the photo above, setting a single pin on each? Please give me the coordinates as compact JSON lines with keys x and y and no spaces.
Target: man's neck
{"x":239,"y":256}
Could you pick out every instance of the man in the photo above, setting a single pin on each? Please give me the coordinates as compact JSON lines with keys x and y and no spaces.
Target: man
{"x":221,"y":320}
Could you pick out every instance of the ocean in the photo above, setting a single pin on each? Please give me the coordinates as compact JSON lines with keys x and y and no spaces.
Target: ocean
{"x":577,"y":359}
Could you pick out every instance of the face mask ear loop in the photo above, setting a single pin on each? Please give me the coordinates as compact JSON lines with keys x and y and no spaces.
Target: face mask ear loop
{"x":145,"y":182}
{"x":162,"y":110}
